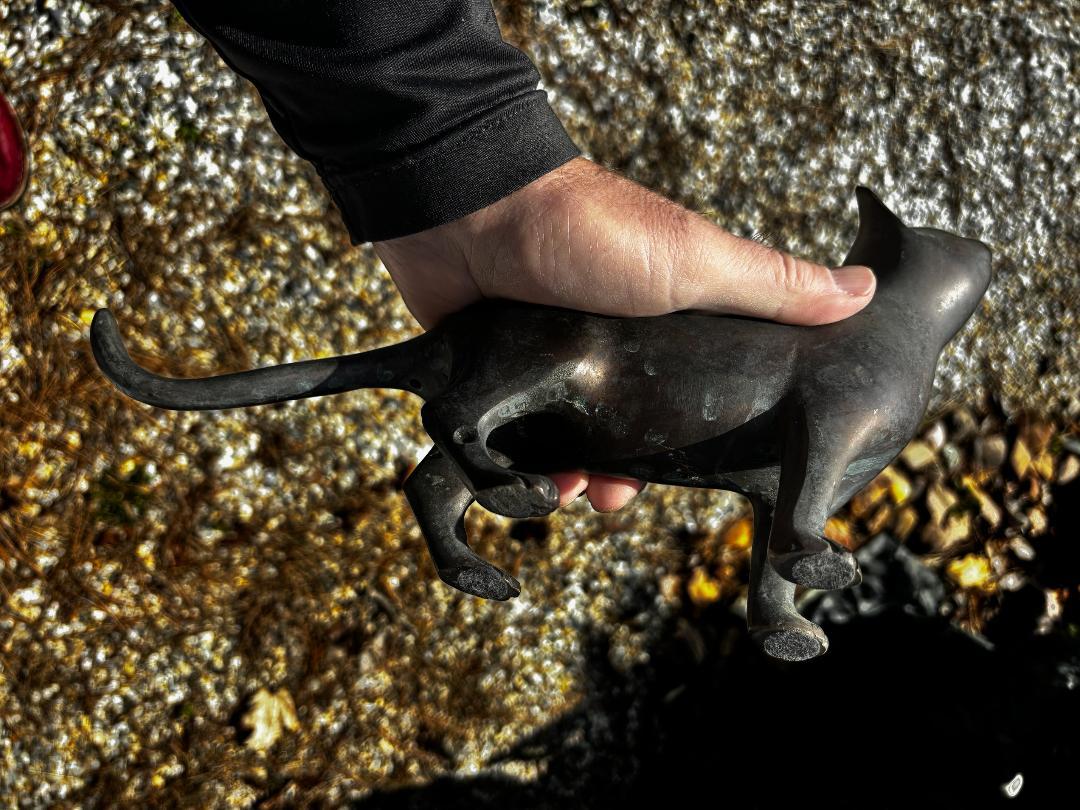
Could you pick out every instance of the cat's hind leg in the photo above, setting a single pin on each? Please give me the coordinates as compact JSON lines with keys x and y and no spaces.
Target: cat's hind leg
{"x":461,"y":428}
{"x":439,"y":498}
{"x":774,"y":623}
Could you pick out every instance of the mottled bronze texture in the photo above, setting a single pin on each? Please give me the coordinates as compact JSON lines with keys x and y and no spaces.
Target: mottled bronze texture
{"x":797,"y":418}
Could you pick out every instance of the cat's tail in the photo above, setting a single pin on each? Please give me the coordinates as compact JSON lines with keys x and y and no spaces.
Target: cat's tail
{"x":419,"y":365}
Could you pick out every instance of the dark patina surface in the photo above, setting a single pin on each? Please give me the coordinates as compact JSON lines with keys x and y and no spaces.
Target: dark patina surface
{"x":797,"y":418}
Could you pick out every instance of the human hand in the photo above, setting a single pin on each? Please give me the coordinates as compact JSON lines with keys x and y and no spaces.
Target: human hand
{"x":585,"y":238}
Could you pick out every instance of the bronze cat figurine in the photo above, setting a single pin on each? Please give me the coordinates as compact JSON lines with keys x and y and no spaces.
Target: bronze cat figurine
{"x":797,"y":418}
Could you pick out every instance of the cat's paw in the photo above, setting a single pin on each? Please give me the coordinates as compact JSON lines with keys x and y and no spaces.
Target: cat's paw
{"x":820,"y":564}
{"x":524,"y":497}
{"x":777,"y":627}
{"x":794,"y":640}
{"x":485,"y":581}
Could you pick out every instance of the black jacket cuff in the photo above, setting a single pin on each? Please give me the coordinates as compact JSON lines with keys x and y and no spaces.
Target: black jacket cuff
{"x":465,"y":170}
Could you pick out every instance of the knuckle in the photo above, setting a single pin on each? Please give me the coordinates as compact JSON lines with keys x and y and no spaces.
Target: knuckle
{"x":673,"y":248}
{"x":791,"y":273}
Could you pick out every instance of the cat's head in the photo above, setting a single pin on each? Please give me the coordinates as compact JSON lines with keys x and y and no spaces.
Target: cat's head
{"x":941,"y":275}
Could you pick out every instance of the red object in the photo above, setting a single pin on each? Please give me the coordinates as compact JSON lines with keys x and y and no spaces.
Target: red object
{"x":14,"y":166}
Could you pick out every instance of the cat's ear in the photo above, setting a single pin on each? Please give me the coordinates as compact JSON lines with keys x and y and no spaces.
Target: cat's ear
{"x":877,"y":245}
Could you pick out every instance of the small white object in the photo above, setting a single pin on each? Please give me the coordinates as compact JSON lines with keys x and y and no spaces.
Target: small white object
{"x":1013,"y":787}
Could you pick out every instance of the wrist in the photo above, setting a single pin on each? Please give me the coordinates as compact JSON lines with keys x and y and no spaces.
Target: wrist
{"x":496,"y":251}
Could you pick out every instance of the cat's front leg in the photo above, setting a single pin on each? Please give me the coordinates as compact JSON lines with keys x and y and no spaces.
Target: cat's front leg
{"x":816,"y":452}
{"x":774,"y":623}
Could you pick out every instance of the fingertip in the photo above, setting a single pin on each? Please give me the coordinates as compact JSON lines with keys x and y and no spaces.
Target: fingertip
{"x":571,"y":485}
{"x":853,"y":287}
{"x":608,"y":494}
{"x":748,"y":278}
{"x":856,"y":280}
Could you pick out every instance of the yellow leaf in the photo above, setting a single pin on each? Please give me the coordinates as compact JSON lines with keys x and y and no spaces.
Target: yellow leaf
{"x":1044,"y":465}
{"x":703,"y":589}
{"x":1021,"y":458}
{"x":899,"y":486}
{"x":972,"y":571}
{"x":739,"y":534}
{"x":268,"y":716}
{"x":917,"y":455}
{"x":906,"y":520}
{"x":838,"y":530}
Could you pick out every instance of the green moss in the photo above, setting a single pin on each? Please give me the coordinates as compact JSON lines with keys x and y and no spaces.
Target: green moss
{"x":189,"y":132}
{"x":121,"y":500}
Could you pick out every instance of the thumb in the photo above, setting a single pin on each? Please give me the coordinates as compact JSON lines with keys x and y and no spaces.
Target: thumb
{"x":744,"y":277}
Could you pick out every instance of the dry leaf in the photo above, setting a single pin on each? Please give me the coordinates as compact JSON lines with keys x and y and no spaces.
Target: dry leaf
{"x":917,"y":455}
{"x":268,"y":716}
{"x":1021,"y":458}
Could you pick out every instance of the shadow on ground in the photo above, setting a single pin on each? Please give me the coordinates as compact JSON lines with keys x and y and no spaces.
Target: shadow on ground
{"x":904,"y":708}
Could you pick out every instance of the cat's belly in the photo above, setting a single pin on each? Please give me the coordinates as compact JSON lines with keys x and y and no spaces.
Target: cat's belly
{"x":672,"y":437}
{"x":680,"y":397}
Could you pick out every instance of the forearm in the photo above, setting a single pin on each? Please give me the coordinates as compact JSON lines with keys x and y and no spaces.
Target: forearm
{"x":414,"y":112}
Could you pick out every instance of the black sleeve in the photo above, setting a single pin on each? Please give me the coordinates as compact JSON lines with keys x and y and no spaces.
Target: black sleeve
{"x":414,"y":112}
